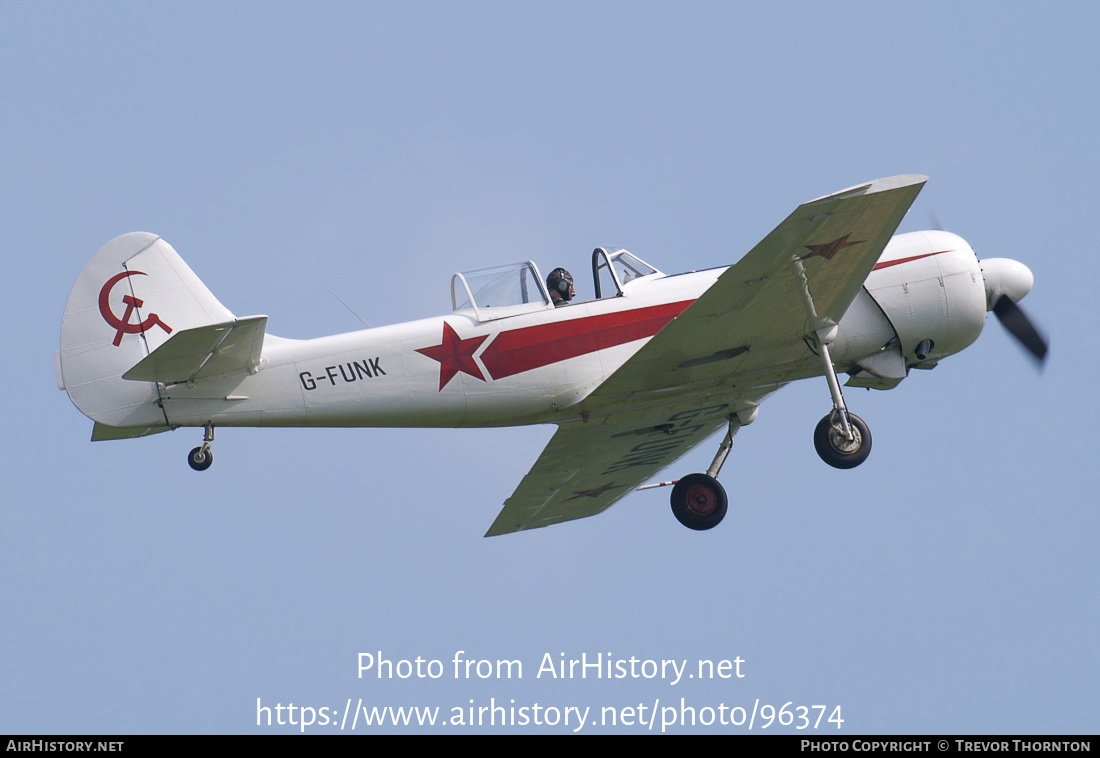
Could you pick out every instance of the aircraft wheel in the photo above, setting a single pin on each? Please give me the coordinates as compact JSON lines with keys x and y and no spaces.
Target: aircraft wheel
{"x":835,"y":448}
{"x":199,"y":460}
{"x":699,"y":502}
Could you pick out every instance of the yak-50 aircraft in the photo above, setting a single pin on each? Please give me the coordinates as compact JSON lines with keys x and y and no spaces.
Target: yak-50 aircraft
{"x":634,"y":379}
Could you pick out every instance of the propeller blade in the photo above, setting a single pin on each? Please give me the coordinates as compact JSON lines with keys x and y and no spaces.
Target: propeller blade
{"x":1013,"y":318}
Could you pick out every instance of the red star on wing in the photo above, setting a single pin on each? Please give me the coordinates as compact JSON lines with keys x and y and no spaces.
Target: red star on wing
{"x":455,"y":354}
{"x":828,"y":249}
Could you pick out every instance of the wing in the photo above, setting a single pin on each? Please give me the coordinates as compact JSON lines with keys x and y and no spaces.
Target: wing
{"x":588,"y":466}
{"x":750,"y":327}
{"x":743,"y":338}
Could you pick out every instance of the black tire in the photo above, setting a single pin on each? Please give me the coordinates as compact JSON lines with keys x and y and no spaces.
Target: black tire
{"x":699,"y":502}
{"x":199,"y":460}
{"x":835,"y":449}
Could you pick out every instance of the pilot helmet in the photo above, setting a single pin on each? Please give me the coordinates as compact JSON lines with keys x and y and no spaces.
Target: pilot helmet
{"x":559,"y":281}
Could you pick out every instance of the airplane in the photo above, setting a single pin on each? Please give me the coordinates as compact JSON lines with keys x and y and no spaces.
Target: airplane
{"x":633,"y":379}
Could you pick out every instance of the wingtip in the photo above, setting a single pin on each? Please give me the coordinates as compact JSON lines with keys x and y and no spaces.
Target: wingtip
{"x":878,"y":185}
{"x":896,"y":182}
{"x":498,"y":529}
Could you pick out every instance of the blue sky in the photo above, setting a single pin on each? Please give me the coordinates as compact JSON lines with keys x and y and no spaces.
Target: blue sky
{"x":948,"y":585}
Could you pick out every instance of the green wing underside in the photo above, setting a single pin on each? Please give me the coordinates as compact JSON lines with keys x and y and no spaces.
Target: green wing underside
{"x":741,"y":340}
{"x":587,"y":467}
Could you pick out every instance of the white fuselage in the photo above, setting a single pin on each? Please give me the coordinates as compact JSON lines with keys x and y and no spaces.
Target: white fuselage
{"x":488,"y":367}
{"x":527,"y":368}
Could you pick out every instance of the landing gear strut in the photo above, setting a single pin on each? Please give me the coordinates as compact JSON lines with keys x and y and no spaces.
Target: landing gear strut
{"x":841,"y":438}
{"x":201,"y":457}
{"x":698,"y":501}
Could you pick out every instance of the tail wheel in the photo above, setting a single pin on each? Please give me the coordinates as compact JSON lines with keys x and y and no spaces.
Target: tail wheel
{"x":838,"y":449}
{"x":200,"y":459}
{"x":699,"y":502}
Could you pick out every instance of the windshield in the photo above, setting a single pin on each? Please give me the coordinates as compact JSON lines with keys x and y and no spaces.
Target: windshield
{"x":616,"y":268}
{"x":629,"y":268}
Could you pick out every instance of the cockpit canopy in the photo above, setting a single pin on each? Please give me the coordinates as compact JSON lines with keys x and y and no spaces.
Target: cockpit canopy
{"x":502,"y":291}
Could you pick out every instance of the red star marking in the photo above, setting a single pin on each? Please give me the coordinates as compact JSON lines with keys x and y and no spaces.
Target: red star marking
{"x":455,"y":354}
{"x":828,"y":249}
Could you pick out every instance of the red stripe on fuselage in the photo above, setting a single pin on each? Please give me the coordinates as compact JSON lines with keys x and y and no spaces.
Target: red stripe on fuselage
{"x":888,"y":264}
{"x":519,"y":350}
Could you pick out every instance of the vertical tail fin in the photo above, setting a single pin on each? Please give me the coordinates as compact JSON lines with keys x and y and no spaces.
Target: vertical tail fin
{"x":130,"y":297}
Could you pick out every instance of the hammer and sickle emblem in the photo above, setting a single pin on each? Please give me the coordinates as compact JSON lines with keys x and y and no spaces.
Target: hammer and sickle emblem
{"x":123,"y":324}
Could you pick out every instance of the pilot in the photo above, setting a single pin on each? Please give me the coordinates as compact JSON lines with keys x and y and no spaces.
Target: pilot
{"x":560,"y":284}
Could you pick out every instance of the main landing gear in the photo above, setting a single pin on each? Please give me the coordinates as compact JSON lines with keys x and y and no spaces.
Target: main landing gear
{"x":201,"y":457}
{"x":838,"y":448}
{"x":698,"y":501}
{"x":841,"y":438}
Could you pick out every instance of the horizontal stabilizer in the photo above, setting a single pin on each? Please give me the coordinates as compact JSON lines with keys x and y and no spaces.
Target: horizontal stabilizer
{"x":203,"y":352}
{"x":102,"y":432}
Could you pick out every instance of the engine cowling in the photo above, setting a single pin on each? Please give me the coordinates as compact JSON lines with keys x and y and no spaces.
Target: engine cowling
{"x":930,"y":286}
{"x":925,"y":299}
